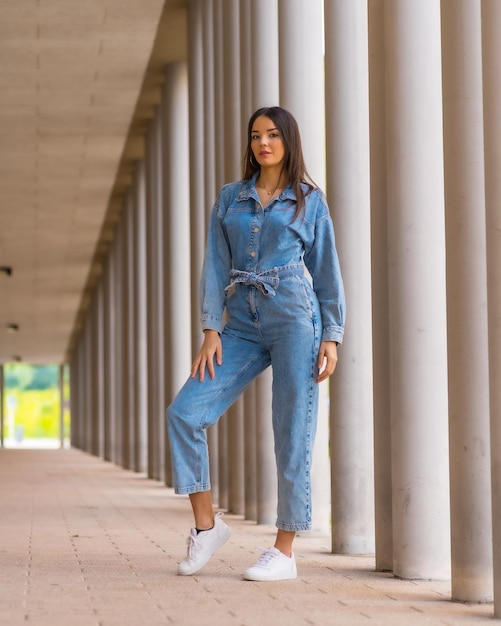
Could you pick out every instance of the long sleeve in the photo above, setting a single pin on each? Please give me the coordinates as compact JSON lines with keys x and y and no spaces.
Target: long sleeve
{"x":215,"y":273}
{"x":322,"y":261}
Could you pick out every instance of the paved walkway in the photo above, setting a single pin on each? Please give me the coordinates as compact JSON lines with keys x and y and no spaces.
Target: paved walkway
{"x":85,"y":543}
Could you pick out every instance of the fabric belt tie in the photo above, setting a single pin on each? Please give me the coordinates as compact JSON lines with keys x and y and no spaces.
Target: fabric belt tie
{"x":266,"y":282}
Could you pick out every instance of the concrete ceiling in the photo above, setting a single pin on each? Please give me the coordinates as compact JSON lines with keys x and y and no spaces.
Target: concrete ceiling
{"x":78,"y":85}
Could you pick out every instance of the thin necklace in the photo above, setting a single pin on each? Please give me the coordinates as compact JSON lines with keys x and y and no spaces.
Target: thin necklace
{"x":270,"y":193}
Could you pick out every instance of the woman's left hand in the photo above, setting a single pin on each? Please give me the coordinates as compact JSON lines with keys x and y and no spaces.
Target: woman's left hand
{"x":327,"y":360}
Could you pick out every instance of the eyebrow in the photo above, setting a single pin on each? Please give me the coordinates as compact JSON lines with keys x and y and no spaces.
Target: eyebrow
{"x":267,"y":130}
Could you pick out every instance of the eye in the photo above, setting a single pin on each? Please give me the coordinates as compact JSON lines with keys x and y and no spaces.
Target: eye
{"x":274,"y":135}
{"x":254,"y":137}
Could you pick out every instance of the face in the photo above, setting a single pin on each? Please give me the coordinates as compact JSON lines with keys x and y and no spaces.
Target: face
{"x":266,"y":143}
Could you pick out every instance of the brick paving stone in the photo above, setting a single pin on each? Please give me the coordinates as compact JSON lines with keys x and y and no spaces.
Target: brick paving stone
{"x":86,"y":543}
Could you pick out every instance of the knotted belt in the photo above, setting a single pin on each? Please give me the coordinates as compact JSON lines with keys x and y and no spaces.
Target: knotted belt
{"x":266,"y":282}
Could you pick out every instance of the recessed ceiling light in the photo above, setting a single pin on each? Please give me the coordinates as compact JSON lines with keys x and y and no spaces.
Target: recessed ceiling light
{"x":12,"y":328}
{"x":6,"y":269}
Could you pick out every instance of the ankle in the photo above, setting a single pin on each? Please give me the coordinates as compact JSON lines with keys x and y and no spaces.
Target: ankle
{"x":203,"y":530}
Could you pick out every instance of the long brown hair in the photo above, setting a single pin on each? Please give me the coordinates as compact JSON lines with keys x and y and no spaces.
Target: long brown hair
{"x":294,"y":167}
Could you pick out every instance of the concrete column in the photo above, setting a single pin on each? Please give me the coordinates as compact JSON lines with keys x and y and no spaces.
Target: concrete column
{"x":121,"y":450}
{"x":301,"y":54}
{"x":249,"y":398}
{"x":266,"y":470}
{"x":61,"y":402}
{"x":470,"y":492}
{"x":158,"y":467}
{"x":218,"y":38}
{"x":264,"y":92}
{"x":218,"y":157}
{"x":209,"y":180}
{"x":250,"y":456}
{"x":2,"y":405}
{"x":80,"y":383}
{"x":491,"y":55}
{"x":348,"y":187}
{"x":421,"y":539}
{"x":73,"y":365}
{"x":232,"y":171}
{"x":128,"y":308}
{"x":199,"y":201}
{"x":73,"y":392}
{"x":94,"y":375}
{"x":380,"y":296}
{"x":198,"y":196}
{"x":106,"y":359}
{"x":264,"y":46}
{"x":175,"y":194}
{"x":108,"y":355}
{"x":245,"y":77}
{"x":88,"y":390}
{"x":138,"y":423}
{"x":100,"y":368}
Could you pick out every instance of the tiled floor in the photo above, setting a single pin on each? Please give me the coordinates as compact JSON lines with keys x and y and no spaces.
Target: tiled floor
{"x":85,"y":543}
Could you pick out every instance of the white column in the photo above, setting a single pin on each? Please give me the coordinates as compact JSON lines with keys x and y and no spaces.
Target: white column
{"x":100,"y":368}
{"x":2,"y":415}
{"x":491,"y":54}
{"x":246,"y":109}
{"x":421,"y":539}
{"x":218,"y":156}
{"x":264,"y":92}
{"x":380,"y":297}
{"x":128,"y":309}
{"x":301,"y":55}
{"x":470,"y":492}
{"x":264,"y":46}
{"x":61,"y":402}
{"x":209,"y":181}
{"x":109,"y":354}
{"x":176,"y":227}
{"x":120,"y":426}
{"x":158,"y":456}
{"x":266,"y":469}
{"x":94,"y":375}
{"x":198,"y":197}
{"x":73,"y":366}
{"x":232,"y":171}
{"x":138,"y":423}
{"x":302,"y":79}
{"x":348,"y":189}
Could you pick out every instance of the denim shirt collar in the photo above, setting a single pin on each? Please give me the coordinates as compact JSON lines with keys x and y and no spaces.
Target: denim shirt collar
{"x":249,"y":191}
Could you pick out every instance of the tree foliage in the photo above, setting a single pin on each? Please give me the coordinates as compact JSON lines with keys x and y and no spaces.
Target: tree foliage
{"x":31,"y":377}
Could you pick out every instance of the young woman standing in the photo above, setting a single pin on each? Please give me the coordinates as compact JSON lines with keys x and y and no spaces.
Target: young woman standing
{"x":264,"y":231}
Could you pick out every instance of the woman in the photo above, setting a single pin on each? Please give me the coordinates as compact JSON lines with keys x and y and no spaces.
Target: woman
{"x":263,"y":232}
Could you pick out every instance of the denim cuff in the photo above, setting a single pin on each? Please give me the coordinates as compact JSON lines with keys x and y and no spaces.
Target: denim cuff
{"x":333,"y":333}
{"x":211,"y":322}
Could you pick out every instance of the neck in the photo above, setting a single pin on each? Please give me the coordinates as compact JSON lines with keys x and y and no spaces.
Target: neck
{"x":270,"y":181}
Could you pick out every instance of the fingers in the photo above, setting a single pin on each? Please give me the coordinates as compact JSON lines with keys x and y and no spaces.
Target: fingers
{"x":327,"y":360}
{"x":211,"y":350}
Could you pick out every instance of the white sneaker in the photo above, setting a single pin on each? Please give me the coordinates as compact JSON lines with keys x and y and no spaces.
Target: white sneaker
{"x":202,"y":546}
{"x":272,"y":565}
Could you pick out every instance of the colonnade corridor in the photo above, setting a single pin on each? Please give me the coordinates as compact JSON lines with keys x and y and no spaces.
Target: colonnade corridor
{"x":112,"y":151}
{"x":86,"y":543}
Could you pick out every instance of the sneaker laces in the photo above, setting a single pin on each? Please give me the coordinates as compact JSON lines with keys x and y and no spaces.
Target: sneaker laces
{"x":267,"y":555}
{"x":193,"y":545}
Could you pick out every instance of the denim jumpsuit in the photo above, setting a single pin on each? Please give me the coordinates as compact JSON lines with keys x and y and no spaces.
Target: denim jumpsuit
{"x":255,"y":268}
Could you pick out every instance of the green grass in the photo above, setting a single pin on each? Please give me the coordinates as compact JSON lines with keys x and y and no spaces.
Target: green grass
{"x":37,"y":411}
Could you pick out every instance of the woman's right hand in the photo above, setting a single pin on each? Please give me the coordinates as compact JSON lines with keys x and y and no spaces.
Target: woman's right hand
{"x":211,"y":347}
